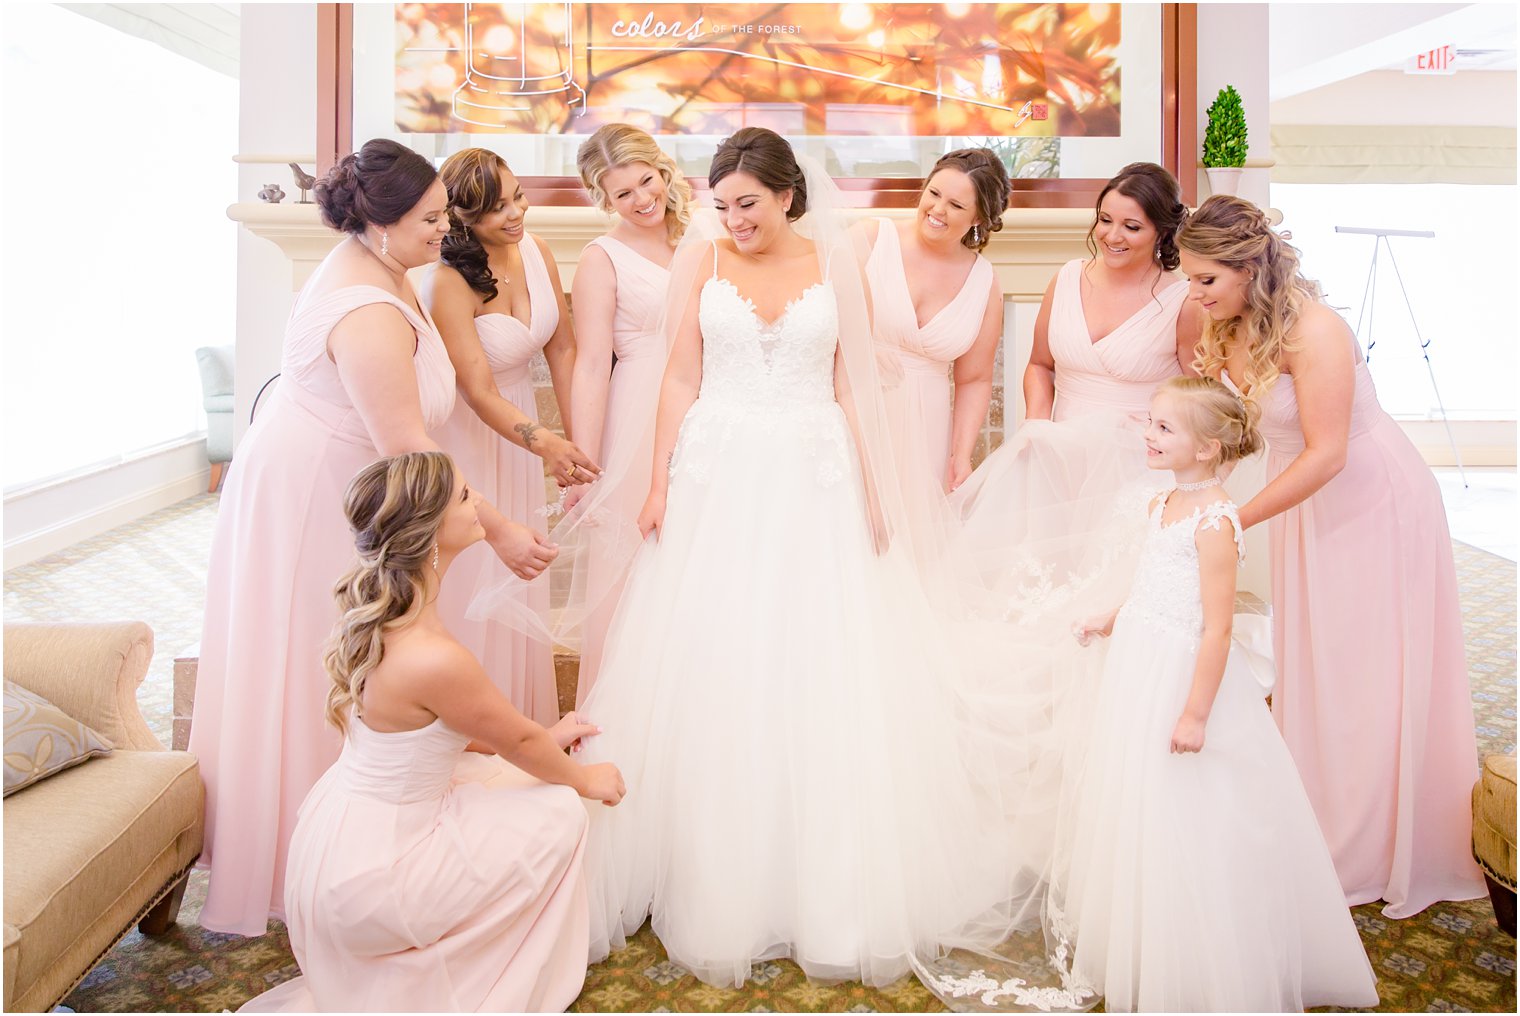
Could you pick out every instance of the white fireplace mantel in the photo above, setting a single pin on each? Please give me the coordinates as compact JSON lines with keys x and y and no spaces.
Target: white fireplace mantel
{"x":1032,"y":246}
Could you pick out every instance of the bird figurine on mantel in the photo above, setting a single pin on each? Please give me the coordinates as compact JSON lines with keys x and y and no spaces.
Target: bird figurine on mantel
{"x":305,"y":181}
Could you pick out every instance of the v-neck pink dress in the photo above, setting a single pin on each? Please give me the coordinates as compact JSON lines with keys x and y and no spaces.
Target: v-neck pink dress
{"x":632,"y":396}
{"x":1120,"y":371}
{"x":260,"y":728}
{"x":1372,"y":694}
{"x":1053,"y":482}
{"x":512,"y":479}
{"x":926,"y":352}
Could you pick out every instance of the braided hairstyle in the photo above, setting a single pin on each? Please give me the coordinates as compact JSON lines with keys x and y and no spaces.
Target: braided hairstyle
{"x":473,"y":179}
{"x":377,"y":185}
{"x":1235,"y":233}
{"x":766,"y":156}
{"x":395,"y":507}
{"x":620,"y":144}
{"x":989,"y":178}
{"x":1214,"y":413}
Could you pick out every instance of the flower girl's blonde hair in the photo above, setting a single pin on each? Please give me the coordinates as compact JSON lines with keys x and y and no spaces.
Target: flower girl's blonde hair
{"x":1214,"y":413}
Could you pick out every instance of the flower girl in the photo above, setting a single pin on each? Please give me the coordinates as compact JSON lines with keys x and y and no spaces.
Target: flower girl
{"x":1191,"y":874}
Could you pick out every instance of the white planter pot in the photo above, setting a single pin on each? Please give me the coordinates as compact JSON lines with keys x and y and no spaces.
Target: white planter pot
{"x":1224,"y":179}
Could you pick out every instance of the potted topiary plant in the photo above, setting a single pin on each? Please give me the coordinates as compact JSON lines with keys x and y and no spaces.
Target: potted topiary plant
{"x":1224,"y":142}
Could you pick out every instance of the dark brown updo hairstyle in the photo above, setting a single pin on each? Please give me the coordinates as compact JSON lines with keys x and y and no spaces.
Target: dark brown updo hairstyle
{"x":473,"y":179}
{"x":766,"y":156}
{"x":1156,"y":192}
{"x":989,"y":178}
{"x":377,"y":185}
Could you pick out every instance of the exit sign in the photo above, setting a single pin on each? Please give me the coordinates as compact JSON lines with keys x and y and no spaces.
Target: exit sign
{"x":1440,"y":60}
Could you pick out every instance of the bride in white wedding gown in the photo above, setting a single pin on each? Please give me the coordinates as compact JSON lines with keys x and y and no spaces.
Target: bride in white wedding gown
{"x":802,"y":781}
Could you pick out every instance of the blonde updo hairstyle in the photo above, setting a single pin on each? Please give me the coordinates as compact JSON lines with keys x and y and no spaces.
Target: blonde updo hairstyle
{"x":620,"y":144}
{"x":1211,"y":412}
{"x":1236,"y":233}
{"x":395,"y":507}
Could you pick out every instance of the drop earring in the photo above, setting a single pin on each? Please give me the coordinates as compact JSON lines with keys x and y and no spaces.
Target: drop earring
{"x":385,"y":243}
{"x":435,"y":558}
{"x":976,"y":234}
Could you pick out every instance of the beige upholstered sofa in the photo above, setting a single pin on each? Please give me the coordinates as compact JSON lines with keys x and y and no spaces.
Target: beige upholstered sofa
{"x":99,"y":847}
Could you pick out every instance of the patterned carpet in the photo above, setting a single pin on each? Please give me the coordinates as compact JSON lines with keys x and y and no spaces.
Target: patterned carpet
{"x":1451,"y":958}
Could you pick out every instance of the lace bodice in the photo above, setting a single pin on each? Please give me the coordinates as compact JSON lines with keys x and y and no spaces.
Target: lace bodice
{"x":776,"y":377}
{"x":1166,"y":589}
{"x":773,"y":365}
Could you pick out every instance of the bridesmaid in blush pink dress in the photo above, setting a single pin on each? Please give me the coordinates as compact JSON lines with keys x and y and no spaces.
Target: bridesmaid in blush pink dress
{"x":426,"y":873}
{"x":363,"y":372}
{"x":911,"y":266}
{"x":1109,"y":331}
{"x":1110,"y":328}
{"x":1372,"y":695}
{"x":497,"y":300}
{"x":619,"y":293}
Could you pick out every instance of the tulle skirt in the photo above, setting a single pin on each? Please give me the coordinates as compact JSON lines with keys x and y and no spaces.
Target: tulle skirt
{"x":796,"y":783}
{"x":1196,"y":882}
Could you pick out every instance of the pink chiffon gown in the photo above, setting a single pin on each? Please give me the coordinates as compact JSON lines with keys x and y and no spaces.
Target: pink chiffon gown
{"x":426,"y":878}
{"x":1372,"y":695}
{"x":632,"y":396}
{"x":512,"y":479}
{"x":1058,"y":478}
{"x":926,"y":352}
{"x":1119,"y":372}
{"x":281,"y":543}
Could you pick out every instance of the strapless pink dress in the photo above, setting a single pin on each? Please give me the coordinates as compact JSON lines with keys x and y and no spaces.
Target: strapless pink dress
{"x":927,"y":352}
{"x":632,"y":396}
{"x":513,"y":480}
{"x":281,"y":543}
{"x":1372,"y":695}
{"x":425,"y":878}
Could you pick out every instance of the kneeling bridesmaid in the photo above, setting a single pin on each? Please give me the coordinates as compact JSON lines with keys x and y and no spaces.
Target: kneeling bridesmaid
{"x":437,"y":864}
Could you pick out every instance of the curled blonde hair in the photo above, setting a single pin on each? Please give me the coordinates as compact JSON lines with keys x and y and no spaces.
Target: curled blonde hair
{"x":395,"y":507}
{"x":1236,"y":234}
{"x":1212,"y":412}
{"x":619,"y":144}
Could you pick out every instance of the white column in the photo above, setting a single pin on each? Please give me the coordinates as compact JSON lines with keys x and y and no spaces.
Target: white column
{"x":1233,"y":50}
{"x":278,"y":113}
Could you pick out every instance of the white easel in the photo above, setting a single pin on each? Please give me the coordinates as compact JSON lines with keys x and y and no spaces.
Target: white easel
{"x":1369,"y":293}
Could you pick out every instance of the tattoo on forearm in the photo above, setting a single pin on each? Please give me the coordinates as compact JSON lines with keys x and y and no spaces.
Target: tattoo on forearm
{"x":528,"y":431}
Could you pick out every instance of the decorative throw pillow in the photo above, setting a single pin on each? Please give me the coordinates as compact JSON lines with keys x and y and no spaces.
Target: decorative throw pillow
{"x":41,"y":739}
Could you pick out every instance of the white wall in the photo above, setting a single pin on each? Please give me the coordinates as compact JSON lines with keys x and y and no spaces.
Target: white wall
{"x":1233,"y":50}
{"x":1393,"y":98}
{"x":278,"y":116}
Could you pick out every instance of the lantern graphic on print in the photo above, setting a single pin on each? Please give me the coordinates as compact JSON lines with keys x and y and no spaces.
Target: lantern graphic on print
{"x":516,"y":56}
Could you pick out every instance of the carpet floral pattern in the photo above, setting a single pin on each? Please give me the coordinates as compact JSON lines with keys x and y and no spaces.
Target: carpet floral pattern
{"x":1451,"y":958}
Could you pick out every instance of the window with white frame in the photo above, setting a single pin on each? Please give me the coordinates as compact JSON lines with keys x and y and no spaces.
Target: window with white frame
{"x":119,"y":258}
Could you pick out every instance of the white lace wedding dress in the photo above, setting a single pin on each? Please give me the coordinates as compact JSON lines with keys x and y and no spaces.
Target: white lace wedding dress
{"x":798,"y":782}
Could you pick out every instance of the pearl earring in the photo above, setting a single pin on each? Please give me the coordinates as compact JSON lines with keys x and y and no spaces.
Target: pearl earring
{"x":385,"y":243}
